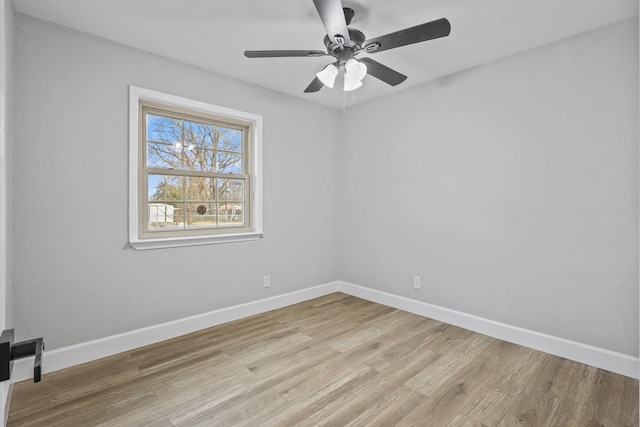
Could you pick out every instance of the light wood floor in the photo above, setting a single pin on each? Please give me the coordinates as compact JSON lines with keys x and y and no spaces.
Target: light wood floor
{"x":335,"y":360}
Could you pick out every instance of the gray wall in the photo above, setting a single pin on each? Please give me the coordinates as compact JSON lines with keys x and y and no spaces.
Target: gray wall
{"x":6,"y":136}
{"x":511,"y":188}
{"x":75,"y":277}
{"x":6,"y":150}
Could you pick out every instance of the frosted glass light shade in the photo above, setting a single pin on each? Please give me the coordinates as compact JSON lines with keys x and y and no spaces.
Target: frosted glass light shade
{"x":352,"y":84}
{"x":354,"y":72}
{"x":328,"y":75}
{"x":355,"y":68}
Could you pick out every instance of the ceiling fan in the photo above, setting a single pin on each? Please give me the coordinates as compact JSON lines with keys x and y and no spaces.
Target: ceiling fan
{"x":344,"y":44}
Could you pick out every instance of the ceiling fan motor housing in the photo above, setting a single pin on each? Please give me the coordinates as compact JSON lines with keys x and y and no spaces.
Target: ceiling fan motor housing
{"x":344,"y":52}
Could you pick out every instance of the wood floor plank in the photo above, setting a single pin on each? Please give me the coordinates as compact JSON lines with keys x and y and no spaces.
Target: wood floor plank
{"x":501,"y":382}
{"x":575,"y":397}
{"x":291,"y":363}
{"x":390,"y":322}
{"x":464,"y":421}
{"x":616,"y":395}
{"x":345,"y":402}
{"x":534,"y":408}
{"x":441,"y":371}
{"x":374,"y":390}
{"x":333,"y":361}
{"x":444,"y":401}
{"x":91,"y":409}
{"x":139,"y":419}
{"x":254,"y":404}
{"x":389,"y":409}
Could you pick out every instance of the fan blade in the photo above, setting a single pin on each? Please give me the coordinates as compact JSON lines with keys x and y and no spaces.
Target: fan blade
{"x":314,"y":86}
{"x":332,"y":16}
{"x":382,"y":72}
{"x":282,"y":53}
{"x":420,"y":33}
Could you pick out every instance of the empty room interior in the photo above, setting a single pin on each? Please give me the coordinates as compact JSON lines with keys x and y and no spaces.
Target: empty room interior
{"x":319,"y":212}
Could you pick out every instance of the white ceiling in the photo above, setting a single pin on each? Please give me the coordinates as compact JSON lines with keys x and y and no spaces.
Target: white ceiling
{"x":213,"y":34}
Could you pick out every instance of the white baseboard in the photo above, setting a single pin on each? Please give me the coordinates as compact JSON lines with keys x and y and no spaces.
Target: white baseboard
{"x":66,"y":357}
{"x":583,"y":353}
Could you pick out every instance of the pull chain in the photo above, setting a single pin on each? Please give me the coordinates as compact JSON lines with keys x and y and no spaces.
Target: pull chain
{"x":344,"y":103}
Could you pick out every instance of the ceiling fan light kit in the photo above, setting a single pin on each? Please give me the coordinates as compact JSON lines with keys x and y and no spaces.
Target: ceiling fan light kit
{"x":344,"y":44}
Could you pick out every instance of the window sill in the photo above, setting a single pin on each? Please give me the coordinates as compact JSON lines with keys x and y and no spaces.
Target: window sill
{"x":177,"y":242}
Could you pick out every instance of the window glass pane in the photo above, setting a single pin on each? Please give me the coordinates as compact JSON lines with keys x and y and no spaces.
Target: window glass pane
{"x":230,"y":139}
{"x":198,"y":145}
{"x":199,"y":189}
{"x":229,"y":162}
{"x":201,"y":215}
{"x":163,"y":129}
{"x":198,"y":135}
{"x":231,"y":214}
{"x":165,"y":187}
{"x":163,"y":155}
{"x":230,"y":190}
{"x":200,"y":159}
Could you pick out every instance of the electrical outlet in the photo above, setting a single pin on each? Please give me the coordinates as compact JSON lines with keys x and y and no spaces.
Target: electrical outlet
{"x":417,"y":282}
{"x":266,"y":281}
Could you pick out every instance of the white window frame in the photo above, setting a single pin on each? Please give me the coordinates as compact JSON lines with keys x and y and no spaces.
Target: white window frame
{"x":136,"y":239}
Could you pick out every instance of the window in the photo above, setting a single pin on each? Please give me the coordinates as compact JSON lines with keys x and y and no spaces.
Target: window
{"x":195,"y":175}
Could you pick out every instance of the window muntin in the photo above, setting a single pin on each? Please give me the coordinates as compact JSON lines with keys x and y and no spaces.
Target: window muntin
{"x":195,"y":170}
